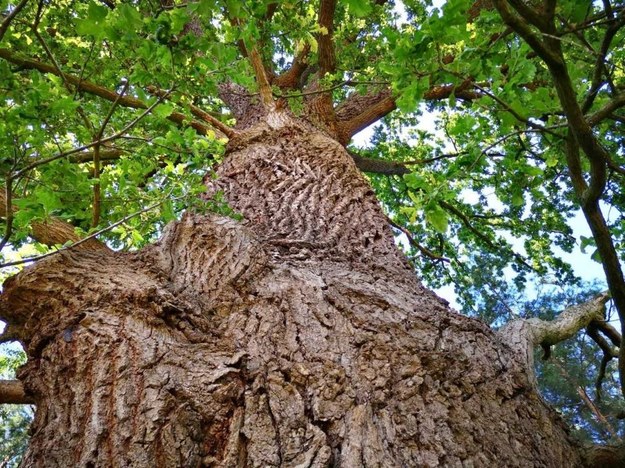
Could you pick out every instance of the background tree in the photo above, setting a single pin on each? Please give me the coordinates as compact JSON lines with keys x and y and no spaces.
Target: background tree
{"x":114,"y":112}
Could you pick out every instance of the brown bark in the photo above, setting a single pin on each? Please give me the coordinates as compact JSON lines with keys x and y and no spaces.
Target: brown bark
{"x":298,"y":337}
{"x":12,"y":392}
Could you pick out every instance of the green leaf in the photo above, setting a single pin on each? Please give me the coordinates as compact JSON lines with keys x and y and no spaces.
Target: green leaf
{"x":130,"y":17}
{"x":359,"y":8}
{"x":163,"y":110}
{"x":436,"y":217}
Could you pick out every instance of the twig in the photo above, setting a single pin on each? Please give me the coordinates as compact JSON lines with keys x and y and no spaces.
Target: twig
{"x":414,"y":243}
{"x":600,"y":417}
{"x":96,"y":158}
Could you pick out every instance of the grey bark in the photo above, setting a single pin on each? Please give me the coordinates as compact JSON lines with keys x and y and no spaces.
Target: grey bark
{"x":298,"y":337}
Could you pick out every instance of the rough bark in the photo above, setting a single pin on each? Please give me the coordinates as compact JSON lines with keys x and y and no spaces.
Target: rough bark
{"x":298,"y":337}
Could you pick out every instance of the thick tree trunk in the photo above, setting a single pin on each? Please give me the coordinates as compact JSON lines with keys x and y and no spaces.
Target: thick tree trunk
{"x":299,"y":337}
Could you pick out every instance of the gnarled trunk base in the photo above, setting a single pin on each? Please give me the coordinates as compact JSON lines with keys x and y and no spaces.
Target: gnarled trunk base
{"x":206,"y":350}
{"x":297,"y":338}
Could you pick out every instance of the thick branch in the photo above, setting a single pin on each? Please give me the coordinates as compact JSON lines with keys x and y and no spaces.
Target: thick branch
{"x":327,"y":57}
{"x":524,"y":335}
{"x":54,"y":231}
{"x":540,"y":19}
{"x":264,"y":87}
{"x":379,"y":166}
{"x":360,"y":111}
{"x":12,"y":392}
{"x":582,"y":135}
{"x":290,"y":79}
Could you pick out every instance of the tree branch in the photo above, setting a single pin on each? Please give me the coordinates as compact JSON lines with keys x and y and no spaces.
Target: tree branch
{"x":7,"y":21}
{"x":327,"y":57}
{"x":221,"y":127}
{"x":523,"y":335}
{"x":106,"y":154}
{"x":12,"y":392}
{"x":100,"y":91}
{"x":379,"y":166}
{"x":467,"y":222}
{"x":91,"y":237}
{"x":524,"y":30}
{"x":606,"y":111}
{"x":428,"y":253}
{"x":359,"y":111}
{"x":266,"y":96}
{"x":600,"y":67}
{"x":290,"y":79}
{"x":8,"y":211}
{"x":53,"y":231}
{"x":581,"y":135}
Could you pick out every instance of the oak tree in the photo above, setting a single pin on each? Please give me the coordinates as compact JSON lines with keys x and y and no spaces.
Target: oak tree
{"x":213,"y":275}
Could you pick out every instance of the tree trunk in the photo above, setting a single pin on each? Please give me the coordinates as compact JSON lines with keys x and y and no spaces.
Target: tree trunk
{"x":298,"y":337}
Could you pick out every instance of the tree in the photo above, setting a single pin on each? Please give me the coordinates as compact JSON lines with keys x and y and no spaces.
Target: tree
{"x":276,"y":322}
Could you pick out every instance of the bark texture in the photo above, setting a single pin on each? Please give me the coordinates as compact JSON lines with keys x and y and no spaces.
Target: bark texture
{"x":298,"y":337}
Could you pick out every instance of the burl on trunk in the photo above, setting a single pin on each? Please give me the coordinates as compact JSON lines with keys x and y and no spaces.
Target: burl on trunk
{"x":297,"y":337}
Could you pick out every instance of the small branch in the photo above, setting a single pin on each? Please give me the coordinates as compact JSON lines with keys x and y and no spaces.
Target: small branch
{"x":199,"y":113}
{"x":96,"y":159}
{"x":514,"y":113}
{"x":428,"y":253}
{"x":600,"y":417}
{"x":106,"y":154}
{"x":467,"y":222}
{"x":12,"y":392}
{"x":134,"y":122}
{"x":600,"y":67}
{"x":96,"y":90}
{"x":7,"y":21}
{"x":606,"y":111}
{"x":206,"y":117}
